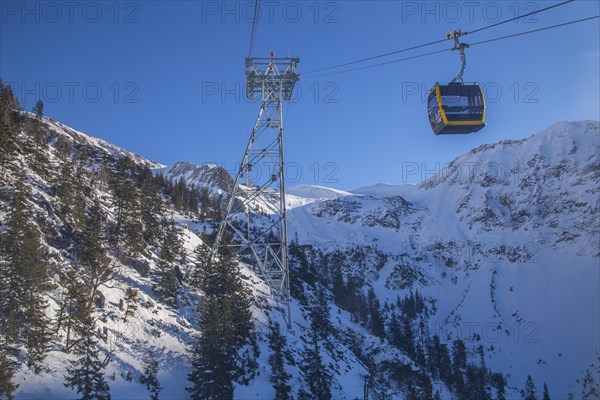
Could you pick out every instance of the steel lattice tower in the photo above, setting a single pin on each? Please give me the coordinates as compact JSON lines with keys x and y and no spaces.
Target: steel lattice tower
{"x":255,"y":216}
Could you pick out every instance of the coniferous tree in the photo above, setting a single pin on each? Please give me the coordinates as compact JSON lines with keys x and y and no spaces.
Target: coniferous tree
{"x":319,"y":315}
{"x":212,"y":365}
{"x":96,"y":266}
{"x":483,"y":374}
{"x":73,"y":291}
{"x":8,"y":146}
{"x":203,"y":254}
{"x":393,"y":329}
{"x":419,"y":351}
{"x":166,"y":277}
{"x":459,"y":354}
{"x":314,"y":372}
{"x":425,"y":388}
{"x":14,"y":288}
{"x":24,"y":279}
{"x":339,"y":290}
{"x":443,"y":365}
{"x":228,"y":288}
{"x":133,"y":228}
{"x":204,"y":199}
{"x":499,"y":383}
{"x":38,"y":109}
{"x":433,"y":358}
{"x":62,"y":148}
{"x":546,"y":394}
{"x":128,"y":226}
{"x":64,"y":188}
{"x":360,"y":308}
{"x":37,"y":332}
{"x":279,"y":376}
{"x":8,"y":329}
{"x":85,"y":374}
{"x":8,"y":368}
{"x":180,"y":196}
{"x":226,"y":326}
{"x":150,"y":375}
{"x":528,"y":392}
{"x":78,"y":198}
{"x":8,"y":104}
{"x":38,"y":142}
{"x":459,"y":364}
{"x":590,"y":386}
{"x":475,"y":385}
{"x":194,"y":199}
{"x":376,"y":323}
{"x":316,"y":375}
{"x":407,"y":335}
{"x":151,"y":209}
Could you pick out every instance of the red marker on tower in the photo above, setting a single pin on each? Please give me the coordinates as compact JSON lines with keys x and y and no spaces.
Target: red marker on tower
{"x":272,"y":54}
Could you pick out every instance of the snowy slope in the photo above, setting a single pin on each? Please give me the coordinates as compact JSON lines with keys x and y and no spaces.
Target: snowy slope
{"x":316,"y":192}
{"x":165,"y":331}
{"x":505,"y":240}
{"x":301,"y":195}
{"x":382,"y":190}
{"x":83,"y":139}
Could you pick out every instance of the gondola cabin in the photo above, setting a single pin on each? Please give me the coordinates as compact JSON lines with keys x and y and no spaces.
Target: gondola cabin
{"x":456,"y":108}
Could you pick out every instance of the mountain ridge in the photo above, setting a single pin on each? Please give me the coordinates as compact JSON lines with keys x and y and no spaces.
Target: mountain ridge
{"x":489,"y":257}
{"x":481,"y":230}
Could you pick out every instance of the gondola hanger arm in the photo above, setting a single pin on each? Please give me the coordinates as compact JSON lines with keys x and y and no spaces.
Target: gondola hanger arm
{"x":460,"y":46}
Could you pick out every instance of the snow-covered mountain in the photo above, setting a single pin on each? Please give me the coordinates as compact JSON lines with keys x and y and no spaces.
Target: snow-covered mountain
{"x":46,"y":155}
{"x":505,"y":240}
{"x":91,"y":144}
{"x":209,"y":176}
{"x":502,"y":245}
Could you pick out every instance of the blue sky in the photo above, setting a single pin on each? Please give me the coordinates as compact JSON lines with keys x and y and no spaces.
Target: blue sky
{"x":165,"y":79}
